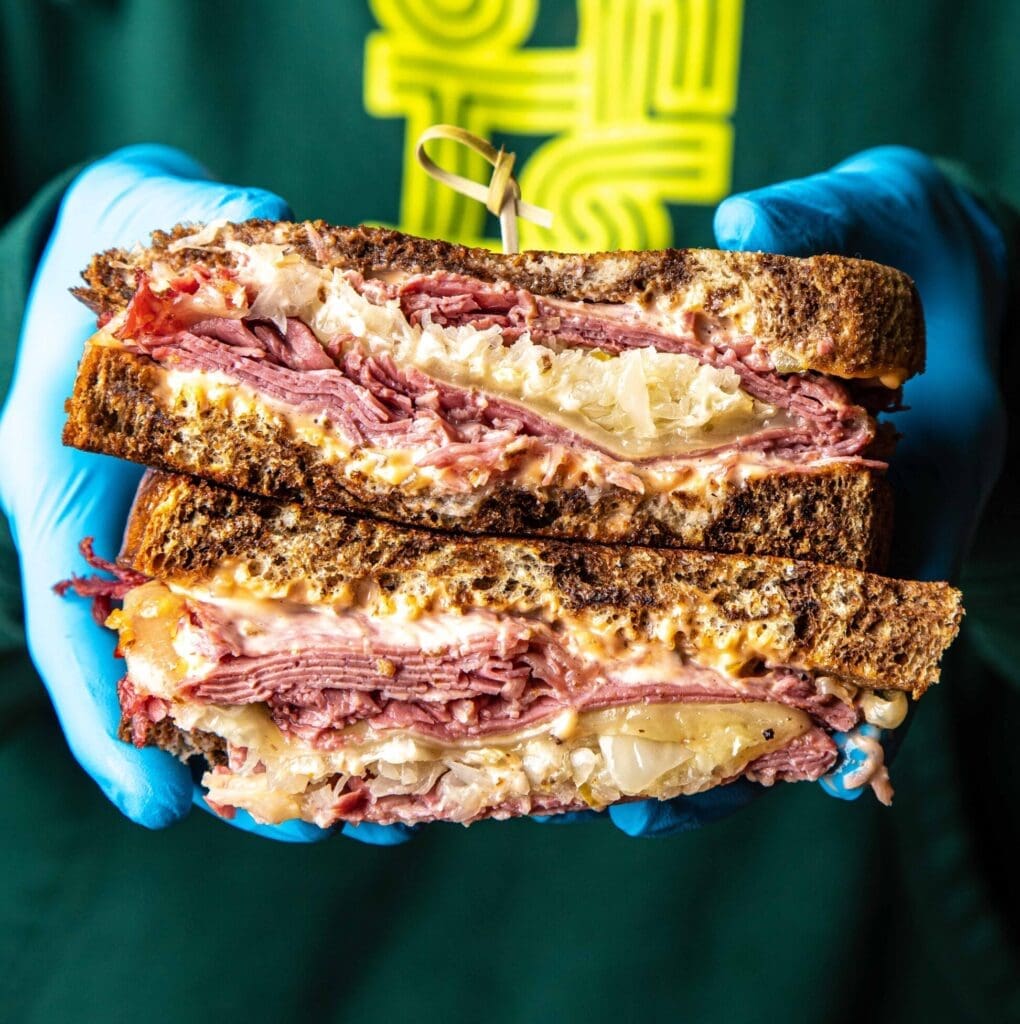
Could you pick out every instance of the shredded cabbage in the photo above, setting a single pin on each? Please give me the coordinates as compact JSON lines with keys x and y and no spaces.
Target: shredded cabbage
{"x":637,"y":396}
{"x":610,"y":755}
{"x":633,"y":403}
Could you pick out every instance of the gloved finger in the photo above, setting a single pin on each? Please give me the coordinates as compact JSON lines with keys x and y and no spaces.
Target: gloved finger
{"x":570,"y":818}
{"x":285,"y":832}
{"x":75,"y":656}
{"x":379,"y":835}
{"x":55,"y":496}
{"x":883,"y":204}
{"x":119,"y":200}
{"x":853,"y":757}
{"x":895,"y":206}
{"x":656,"y":818}
{"x":116,"y":202}
{"x":295,"y":831}
{"x":872,"y":205}
{"x":149,"y":786}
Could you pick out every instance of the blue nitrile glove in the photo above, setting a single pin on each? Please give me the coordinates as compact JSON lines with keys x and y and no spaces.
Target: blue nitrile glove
{"x":895,"y":206}
{"x":55,"y":496}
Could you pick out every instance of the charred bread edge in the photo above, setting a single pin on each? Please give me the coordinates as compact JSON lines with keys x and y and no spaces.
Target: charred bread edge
{"x":833,"y":314}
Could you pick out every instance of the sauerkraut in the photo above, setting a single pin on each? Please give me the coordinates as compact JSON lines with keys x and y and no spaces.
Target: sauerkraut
{"x":638,"y":403}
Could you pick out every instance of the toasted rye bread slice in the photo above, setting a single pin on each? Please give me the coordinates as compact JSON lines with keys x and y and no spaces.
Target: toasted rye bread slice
{"x":840,"y":514}
{"x":862,"y":628}
{"x":839,"y":316}
{"x":168,"y":736}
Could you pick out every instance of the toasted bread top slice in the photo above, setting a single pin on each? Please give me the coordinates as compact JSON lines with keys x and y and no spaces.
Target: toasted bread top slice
{"x":845,"y":317}
{"x":864,"y":629}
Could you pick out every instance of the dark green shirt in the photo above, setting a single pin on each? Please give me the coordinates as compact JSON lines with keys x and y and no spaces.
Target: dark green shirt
{"x":630,"y":120}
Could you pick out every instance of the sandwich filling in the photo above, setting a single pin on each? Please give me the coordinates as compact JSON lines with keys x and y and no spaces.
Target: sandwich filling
{"x":451,"y":383}
{"x":354,"y":713}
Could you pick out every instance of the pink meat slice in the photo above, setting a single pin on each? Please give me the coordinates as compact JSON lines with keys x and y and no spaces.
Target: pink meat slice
{"x":369,"y":400}
{"x":356,"y":804}
{"x":489,"y":682}
{"x":102,"y":590}
{"x":495,"y":678}
{"x":808,"y":757}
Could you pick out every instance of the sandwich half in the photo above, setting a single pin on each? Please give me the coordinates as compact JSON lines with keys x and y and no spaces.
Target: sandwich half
{"x":335,"y":669}
{"x":686,"y":398}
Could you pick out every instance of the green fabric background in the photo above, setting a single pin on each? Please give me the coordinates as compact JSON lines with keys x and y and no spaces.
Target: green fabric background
{"x":799,"y":908}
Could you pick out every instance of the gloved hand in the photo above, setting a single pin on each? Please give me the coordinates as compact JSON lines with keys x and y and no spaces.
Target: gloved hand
{"x":55,"y":496}
{"x":895,"y":206}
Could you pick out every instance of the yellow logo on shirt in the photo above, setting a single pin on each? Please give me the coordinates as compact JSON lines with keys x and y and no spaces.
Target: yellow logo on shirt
{"x":636,"y":113}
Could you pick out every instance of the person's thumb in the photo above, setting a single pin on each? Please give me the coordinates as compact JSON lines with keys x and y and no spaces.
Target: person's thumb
{"x":121,"y":199}
{"x":872,"y":205}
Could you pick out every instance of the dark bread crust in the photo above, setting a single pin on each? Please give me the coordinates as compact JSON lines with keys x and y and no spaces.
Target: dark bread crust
{"x":865,"y":629}
{"x":183,"y":744}
{"x":840,"y":514}
{"x":837,"y":315}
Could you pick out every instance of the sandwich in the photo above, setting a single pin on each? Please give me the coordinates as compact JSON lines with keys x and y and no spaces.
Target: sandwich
{"x":688,"y":398}
{"x":337,"y":669}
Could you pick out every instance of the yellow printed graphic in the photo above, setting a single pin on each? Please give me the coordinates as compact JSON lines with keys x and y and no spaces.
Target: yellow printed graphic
{"x":636,"y":113}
